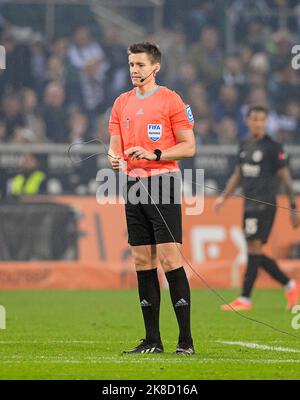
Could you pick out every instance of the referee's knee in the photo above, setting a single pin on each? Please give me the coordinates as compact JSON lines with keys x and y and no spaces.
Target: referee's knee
{"x":142,"y":263}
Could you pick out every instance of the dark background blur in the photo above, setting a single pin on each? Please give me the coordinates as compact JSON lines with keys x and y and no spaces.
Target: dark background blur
{"x":66,"y":62}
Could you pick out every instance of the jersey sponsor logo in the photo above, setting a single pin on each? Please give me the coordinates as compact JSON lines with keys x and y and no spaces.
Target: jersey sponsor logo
{"x":250,"y":170}
{"x":257,"y":156}
{"x":189,"y":113}
{"x":154,"y":131}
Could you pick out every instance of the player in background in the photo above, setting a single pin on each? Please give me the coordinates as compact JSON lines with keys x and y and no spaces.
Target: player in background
{"x":261,"y":165}
{"x":151,"y":128}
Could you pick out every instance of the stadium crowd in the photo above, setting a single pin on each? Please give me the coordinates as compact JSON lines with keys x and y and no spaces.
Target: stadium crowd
{"x":62,"y":91}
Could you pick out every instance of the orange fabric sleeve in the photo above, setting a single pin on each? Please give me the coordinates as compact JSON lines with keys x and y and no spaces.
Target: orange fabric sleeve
{"x":114,"y":121}
{"x":180,"y":115}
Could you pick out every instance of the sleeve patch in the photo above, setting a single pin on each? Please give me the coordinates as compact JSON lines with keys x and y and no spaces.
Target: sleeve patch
{"x":189,"y":113}
{"x":281,"y":156}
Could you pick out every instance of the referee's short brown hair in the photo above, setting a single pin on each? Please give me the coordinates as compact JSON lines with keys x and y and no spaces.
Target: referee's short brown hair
{"x":257,"y":108}
{"x":146,"y":47}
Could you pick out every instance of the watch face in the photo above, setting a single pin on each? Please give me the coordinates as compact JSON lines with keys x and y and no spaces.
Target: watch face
{"x":158,"y":154}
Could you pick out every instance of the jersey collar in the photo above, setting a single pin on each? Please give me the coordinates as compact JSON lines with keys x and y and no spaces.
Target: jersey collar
{"x":144,"y":96}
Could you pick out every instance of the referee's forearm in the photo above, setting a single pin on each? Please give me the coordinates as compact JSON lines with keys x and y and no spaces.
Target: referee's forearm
{"x":178,"y":152}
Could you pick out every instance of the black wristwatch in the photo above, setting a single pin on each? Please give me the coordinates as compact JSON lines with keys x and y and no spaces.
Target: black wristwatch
{"x":157,"y":152}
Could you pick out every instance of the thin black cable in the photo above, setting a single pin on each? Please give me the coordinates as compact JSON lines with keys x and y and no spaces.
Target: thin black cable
{"x":207,"y":285}
{"x":206,"y":186}
{"x":217,"y":294}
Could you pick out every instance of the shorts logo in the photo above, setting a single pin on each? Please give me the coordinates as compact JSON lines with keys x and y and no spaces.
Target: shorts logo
{"x":189,"y":113}
{"x":154,"y":131}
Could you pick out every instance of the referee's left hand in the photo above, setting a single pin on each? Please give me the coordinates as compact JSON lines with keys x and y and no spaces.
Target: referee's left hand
{"x":138,"y":153}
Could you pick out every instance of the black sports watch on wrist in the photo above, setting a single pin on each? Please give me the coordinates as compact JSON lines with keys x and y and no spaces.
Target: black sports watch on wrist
{"x":157,"y":152}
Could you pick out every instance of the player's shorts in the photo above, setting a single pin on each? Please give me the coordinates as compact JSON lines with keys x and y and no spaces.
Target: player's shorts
{"x":149,"y":223}
{"x":258,"y":223}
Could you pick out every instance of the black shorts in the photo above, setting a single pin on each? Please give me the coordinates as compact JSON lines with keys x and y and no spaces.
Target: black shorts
{"x":149,"y":223}
{"x":258,"y":223}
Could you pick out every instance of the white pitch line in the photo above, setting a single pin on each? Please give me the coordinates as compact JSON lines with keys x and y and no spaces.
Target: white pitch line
{"x":257,"y":346}
{"x":143,"y":359}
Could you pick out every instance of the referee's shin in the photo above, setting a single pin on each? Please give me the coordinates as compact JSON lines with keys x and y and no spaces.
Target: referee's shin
{"x":181,"y":299}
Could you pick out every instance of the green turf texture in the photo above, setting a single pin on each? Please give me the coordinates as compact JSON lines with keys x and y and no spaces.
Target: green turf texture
{"x":80,"y":335}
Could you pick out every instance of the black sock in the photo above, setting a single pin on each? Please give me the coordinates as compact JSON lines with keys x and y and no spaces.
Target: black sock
{"x":271,"y":267}
{"x":251,"y":274}
{"x":149,"y":293}
{"x":181,"y":299}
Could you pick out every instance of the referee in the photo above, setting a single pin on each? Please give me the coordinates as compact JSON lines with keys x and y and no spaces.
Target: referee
{"x":151,"y":128}
{"x":261,"y":164}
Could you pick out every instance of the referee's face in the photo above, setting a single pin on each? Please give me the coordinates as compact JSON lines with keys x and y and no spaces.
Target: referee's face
{"x":256,"y":122}
{"x":141,"y":66}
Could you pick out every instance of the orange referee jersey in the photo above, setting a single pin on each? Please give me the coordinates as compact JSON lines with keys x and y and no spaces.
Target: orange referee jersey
{"x":149,"y":121}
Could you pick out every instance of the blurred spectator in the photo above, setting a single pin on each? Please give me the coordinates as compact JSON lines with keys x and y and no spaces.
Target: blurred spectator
{"x":18,"y":69}
{"x":32,"y":115}
{"x":175,"y":46}
{"x":23,"y":135}
{"x":199,"y":15}
{"x":59,"y":48}
{"x":2,"y":131}
{"x":55,"y":114}
{"x":285,"y":86}
{"x":186,"y":77}
{"x":101,"y":127}
{"x":227,"y":131}
{"x":256,"y":36}
{"x":80,"y":76}
{"x":64,"y":74}
{"x":207,"y":57}
{"x":280,"y":48}
{"x":92,"y":86}
{"x":38,"y":63}
{"x":204,"y":132}
{"x":197,"y":99}
{"x":233,"y":73}
{"x":116,"y":53}
{"x":31,"y":180}
{"x":228,"y":105}
{"x":245,"y":54}
{"x":11,"y":114}
{"x":288,"y":123}
{"x":78,"y":127}
{"x":84,"y":49}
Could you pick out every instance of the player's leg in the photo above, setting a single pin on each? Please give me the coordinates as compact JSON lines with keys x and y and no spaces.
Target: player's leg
{"x":254,"y":260}
{"x":253,"y":230}
{"x":291,"y":286}
{"x":148,"y":288}
{"x":142,"y":241}
{"x":244,"y":302}
{"x":164,"y":214}
{"x":171,"y":261}
{"x":270,"y":265}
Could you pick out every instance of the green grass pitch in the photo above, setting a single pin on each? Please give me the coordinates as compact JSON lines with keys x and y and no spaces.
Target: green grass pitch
{"x":80,"y":335}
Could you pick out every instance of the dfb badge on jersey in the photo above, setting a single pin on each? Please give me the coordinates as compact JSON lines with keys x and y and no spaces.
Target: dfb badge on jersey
{"x":154,"y":131}
{"x":189,"y":113}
